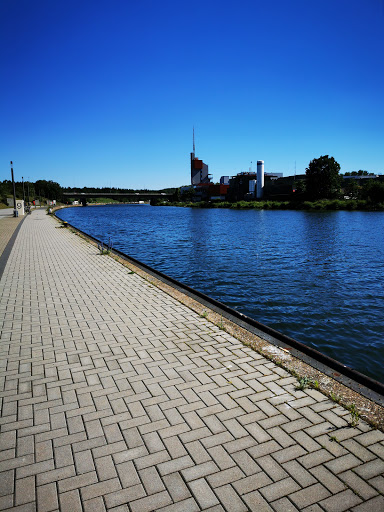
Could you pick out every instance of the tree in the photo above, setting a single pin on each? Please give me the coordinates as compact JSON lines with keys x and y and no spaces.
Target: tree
{"x":49,"y":189}
{"x":373,"y":191}
{"x":351,"y":188}
{"x":322,"y":178}
{"x":188,"y":194}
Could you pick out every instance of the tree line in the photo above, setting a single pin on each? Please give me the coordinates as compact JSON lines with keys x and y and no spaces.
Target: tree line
{"x":43,"y":189}
{"x":31,"y":190}
{"x":324,"y":181}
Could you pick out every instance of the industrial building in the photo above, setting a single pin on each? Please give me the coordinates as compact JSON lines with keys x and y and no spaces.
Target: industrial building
{"x":205,"y":190}
{"x":249,"y":185}
{"x":199,"y":170}
{"x":246,"y":186}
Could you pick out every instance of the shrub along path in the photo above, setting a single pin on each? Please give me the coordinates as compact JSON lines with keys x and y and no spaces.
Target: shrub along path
{"x":117,"y":397}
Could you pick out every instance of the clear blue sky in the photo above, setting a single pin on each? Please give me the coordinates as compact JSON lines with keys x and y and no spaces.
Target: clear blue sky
{"x":105,"y":93}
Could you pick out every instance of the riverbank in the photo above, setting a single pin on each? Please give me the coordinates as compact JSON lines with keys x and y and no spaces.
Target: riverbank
{"x":326,"y":205}
{"x":117,"y":393}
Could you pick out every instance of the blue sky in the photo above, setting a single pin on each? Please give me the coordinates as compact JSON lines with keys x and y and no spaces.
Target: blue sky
{"x":105,"y":93}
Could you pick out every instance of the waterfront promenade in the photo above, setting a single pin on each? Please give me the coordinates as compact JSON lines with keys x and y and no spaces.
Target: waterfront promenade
{"x":115,"y":396}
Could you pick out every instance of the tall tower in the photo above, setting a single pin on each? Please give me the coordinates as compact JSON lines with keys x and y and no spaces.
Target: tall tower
{"x":260,"y":179}
{"x":199,"y":170}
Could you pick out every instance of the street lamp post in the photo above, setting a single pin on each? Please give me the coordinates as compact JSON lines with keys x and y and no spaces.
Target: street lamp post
{"x":14,"y":191}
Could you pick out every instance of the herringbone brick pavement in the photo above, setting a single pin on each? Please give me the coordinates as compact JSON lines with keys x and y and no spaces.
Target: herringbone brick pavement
{"x":114,"y":396}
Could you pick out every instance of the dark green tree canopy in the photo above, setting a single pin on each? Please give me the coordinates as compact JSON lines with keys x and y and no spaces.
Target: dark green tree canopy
{"x":323,"y":179}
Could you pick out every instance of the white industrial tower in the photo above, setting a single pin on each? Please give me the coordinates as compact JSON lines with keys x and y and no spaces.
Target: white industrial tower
{"x":260,"y":179}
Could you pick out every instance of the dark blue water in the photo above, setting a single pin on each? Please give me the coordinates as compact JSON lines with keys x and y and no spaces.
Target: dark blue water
{"x":316,"y":276}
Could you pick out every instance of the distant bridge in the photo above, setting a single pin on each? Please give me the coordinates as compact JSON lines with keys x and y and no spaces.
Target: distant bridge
{"x":130,"y":196}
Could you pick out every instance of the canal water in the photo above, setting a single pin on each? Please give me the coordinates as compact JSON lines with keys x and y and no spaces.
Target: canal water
{"x":315,"y":276}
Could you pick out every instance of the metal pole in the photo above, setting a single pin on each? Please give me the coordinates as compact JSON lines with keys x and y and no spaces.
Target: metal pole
{"x":28,"y":195}
{"x":22,"y":178}
{"x":14,"y":191}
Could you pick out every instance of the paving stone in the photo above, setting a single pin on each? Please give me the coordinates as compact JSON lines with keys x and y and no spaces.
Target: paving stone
{"x":8,"y":440}
{"x":256,"y":502}
{"x":63,"y":456}
{"x":25,"y":490}
{"x":230,"y":475}
{"x":153,"y":442}
{"x":55,"y":475}
{"x":284,"y":505}
{"x":6,"y":502}
{"x":230,"y":499}
{"x":221,"y":457}
{"x":377,"y":449}
{"x":176,"y":487}
{"x":340,"y":502}
{"x":95,"y":505}
{"x":116,"y":498}
{"x":279,"y":489}
{"x":100,"y":489}
{"x":301,"y":475}
{"x":246,"y":463}
{"x":174,"y":465}
{"x":378,"y":483}
{"x":151,"y":480}
{"x":271,"y":468}
{"x":203,"y":493}
{"x":25,"y":446}
{"x":263,"y":449}
{"x":7,"y":481}
{"x":314,"y":459}
{"x":217,"y":439}
{"x":70,"y":502}
{"x":47,"y":497}
{"x":105,"y":467}
{"x":309,"y":496}
{"x":358,"y":485}
{"x":150,"y":503}
{"x":328,"y":479}
{"x":34,"y":469}
{"x":83,"y":462}
{"x":133,"y":453}
{"x":281,"y":437}
{"x":200,"y":471}
{"x":344,"y":463}
{"x":126,"y":472}
{"x":198,"y":453}
{"x":78,"y":481}
{"x":372,"y":505}
{"x":250,"y":483}
{"x":370,"y":437}
{"x":305,"y":441}
{"x":370,"y":469}
{"x":289,"y":453}
{"x":152,"y":459}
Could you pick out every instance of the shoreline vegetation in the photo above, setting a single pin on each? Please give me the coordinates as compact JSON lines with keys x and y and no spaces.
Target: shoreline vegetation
{"x":319,"y":205}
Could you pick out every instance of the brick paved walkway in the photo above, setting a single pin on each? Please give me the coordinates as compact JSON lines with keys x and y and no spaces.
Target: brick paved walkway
{"x":117,"y":397}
